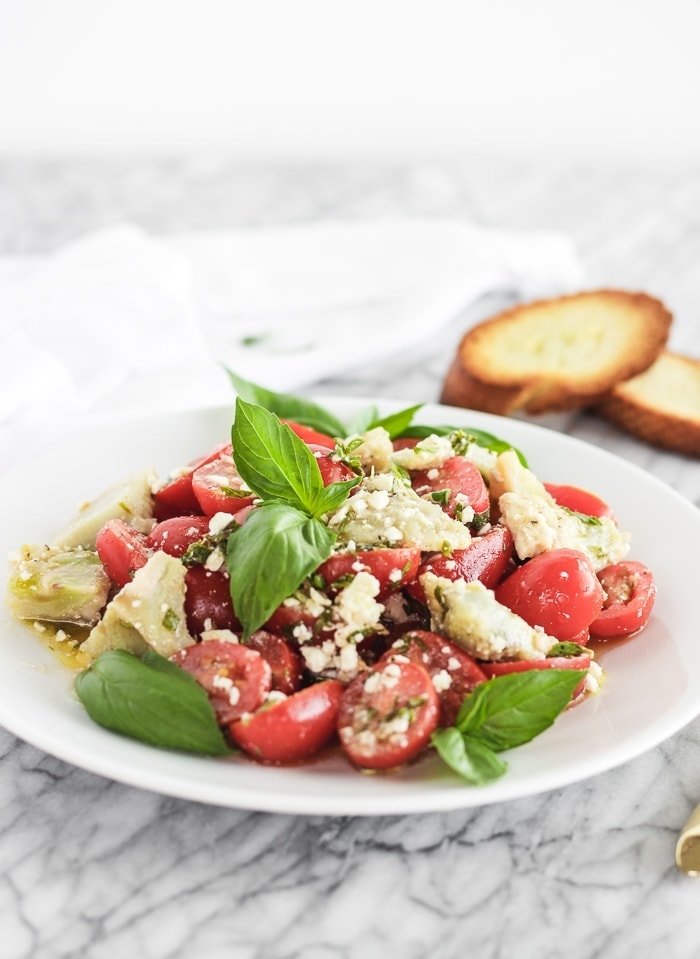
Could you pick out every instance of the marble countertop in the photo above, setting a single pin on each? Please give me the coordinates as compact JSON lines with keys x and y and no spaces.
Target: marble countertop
{"x":92,"y":868}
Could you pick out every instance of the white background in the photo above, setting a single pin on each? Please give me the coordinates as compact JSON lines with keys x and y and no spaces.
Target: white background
{"x":367,"y":79}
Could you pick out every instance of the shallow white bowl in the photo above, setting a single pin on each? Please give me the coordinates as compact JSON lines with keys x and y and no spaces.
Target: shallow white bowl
{"x":653,"y":686}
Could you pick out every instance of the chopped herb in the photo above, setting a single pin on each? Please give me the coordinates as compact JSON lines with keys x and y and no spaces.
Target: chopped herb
{"x":567,"y":649}
{"x":401,"y":474}
{"x":446,"y":549}
{"x":171,"y":619}
{"x":441,"y":496}
{"x":237,"y":493}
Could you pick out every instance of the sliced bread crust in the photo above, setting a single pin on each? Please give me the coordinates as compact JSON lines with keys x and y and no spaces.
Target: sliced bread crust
{"x":661,"y":405}
{"x":557,"y":354}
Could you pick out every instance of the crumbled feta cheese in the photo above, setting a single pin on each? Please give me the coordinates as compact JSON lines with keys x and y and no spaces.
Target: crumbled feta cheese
{"x":594,"y":678}
{"x":220,"y":521}
{"x":302,"y":633}
{"x":483,"y":459}
{"x":275,"y":696}
{"x":208,"y":624}
{"x":430,"y":453}
{"x":453,"y":664}
{"x":218,"y":635}
{"x":433,"y":474}
{"x":469,"y":614}
{"x":317,"y":659}
{"x":355,"y":609}
{"x":403,"y":518}
{"x":442,"y":681}
{"x":395,"y":576}
{"x":214,"y":561}
{"x":376,"y":450}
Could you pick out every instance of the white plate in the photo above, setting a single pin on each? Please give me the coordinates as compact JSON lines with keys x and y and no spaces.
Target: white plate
{"x":653,"y":686}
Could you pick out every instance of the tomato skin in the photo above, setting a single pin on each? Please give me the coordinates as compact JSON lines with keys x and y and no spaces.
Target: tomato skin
{"x":174,"y":535}
{"x":208,"y":597}
{"x":122,"y":550}
{"x":486,"y":559}
{"x":293,"y":729}
{"x":436,"y":653}
{"x":285,"y":618}
{"x":310,"y":435}
{"x":555,"y":662}
{"x":207,"y":485}
{"x":286,"y":664}
{"x":176,"y":497}
{"x":380,"y":563}
{"x":406,"y":443}
{"x":579,"y":500}
{"x":631,"y":593}
{"x":248,"y":671}
{"x":558,"y":591}
{"x":331,"y":471}
{"x":459,"y":475}
{"x":364,"y":712}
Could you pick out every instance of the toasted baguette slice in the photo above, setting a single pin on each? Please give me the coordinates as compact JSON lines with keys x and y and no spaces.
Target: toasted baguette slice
{"x":662,"y":405}
{"x":558,"y":354}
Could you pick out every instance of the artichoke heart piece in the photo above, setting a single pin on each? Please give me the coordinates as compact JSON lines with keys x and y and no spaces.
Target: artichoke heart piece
{"x":148,"y":613}
{"x":130,"y":501}
{"x":57,"y":585}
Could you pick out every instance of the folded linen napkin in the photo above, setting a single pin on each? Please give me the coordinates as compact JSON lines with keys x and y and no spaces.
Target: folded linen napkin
{"x":121,"y":321}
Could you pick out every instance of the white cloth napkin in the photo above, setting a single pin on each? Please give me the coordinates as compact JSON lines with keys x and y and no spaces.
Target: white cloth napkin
{"x":121,"y":321}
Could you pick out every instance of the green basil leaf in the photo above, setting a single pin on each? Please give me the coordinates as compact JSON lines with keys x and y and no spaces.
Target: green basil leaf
{"x":480,"y":437}
{"x":510,"y":710}
{"x":567,"y":649}
{"x":362,"y":421}
{"x":151,"y":700}
{"x":270,"y":556}
{"x":288,"y":407}
{"x":333,"y":496}
{"x":396,"y":423}
{"x":272,"y":460}
{"x":469,"y":758}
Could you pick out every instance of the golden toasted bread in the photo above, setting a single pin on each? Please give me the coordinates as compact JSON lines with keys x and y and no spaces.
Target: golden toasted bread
{"x":661,"y":405}
{"x":557,"y":354}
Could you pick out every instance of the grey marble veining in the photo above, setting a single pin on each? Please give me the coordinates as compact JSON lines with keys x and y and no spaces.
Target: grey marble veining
{"x":96,"y":869}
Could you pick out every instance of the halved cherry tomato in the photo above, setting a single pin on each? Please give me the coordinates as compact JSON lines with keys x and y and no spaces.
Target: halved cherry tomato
{"x":486,"y":559}
{"x":176,"y":497}
{"x":631,"y":592}
{"x":558,"y":591}
{"x":286,"y":617}
{"x":388,"y":715}
{"x":208,"y":601}
{"x":286,"y":664}
{"x":236,"y":678}
{"x":579,"y":500}
{"x":458,"y":475}
{"x":310,"y":435}
{"x":121,"y":550}
{"x":293,"y":729}
{"x":393,"y":568}
{"x":174,"y":535}
{"x":331,"y":470}
{"x":406,"y":443}
{"x":457,"y":673}
{"x":212,"y":483}
{"x":554,"y":662}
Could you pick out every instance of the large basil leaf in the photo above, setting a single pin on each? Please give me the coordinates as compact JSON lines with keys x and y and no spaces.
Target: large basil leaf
{"x":288,"y":407}
{"x":468,"y":757}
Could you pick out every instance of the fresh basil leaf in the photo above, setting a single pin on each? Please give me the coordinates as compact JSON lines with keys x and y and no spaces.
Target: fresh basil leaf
{"x":333,"y":496}
{"x":468,"y":757}
{"x":480,"y":437}
{"x":567,"y":649}
{"x":510,"y":710}
{"x":270,"y":556}
{"x":151,"y":700}
{"x":362,"y":421}
{"x":396,"y":423}
{"x":288,"y":407}
{"x":272,"y":460}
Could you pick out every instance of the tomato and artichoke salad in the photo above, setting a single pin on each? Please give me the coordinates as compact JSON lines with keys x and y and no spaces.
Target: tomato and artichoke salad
{"x":383,"y":585}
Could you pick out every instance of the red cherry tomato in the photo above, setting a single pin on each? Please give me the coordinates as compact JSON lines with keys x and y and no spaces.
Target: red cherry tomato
{"x":555,"y":662}
{"x":406,"y":443}
{"x":236,"y":678}
{"x":173,"y":536}
{"x":208,"y":601}
{"x":331,"y":471}
{"x":121,"y":550}
{"x":393,"y":568}
{"x":388,"y":715}
{"x":444,"y":660}
{"x":285,"y":618}
{"x":579,"y":500}
{"x":286,"y":664}
{"x":558,"y":591}
{"x":486,"y":559}
{"x":310,"y":435}
{"x":176,"y":497}
{"x":210,"y":484}
{"x":631,"y":592}
{"x":293,"y":729}
{"x":458,"y":475}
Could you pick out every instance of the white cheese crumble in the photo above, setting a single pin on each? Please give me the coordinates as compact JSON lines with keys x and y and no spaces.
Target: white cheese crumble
{"x":218,"y":635}
{"x":376,"y":450}
{"x":220,"y":521}
{"x":395,"y":576}
{"x":539,"y":524}
{"x":215,"y":560}
{"x":442,"y":681}
{"x":428,"y":454}
{"x":470,"y":615}
{"x":397,"y":518}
